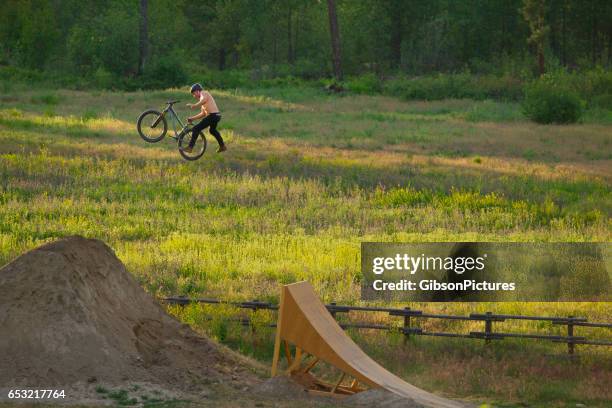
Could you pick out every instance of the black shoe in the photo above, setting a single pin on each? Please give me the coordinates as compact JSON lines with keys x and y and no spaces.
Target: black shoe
{"x":188,"y":149}
{"x":221,"y":148}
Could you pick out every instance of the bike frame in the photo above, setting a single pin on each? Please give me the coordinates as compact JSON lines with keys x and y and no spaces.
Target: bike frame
{"x":175,"y":119}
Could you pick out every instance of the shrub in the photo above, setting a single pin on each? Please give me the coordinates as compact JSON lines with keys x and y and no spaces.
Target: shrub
{"x":103,"y":79}
{"x":547,"y":102}
{"x":428,"y":88}
{"x":364,"y":84}
{"x":593,"y":86}
{"x":464,"y":85}
{"x":495,"y":87}
{"x":17,"y":74}
{"x":309,"y":68}
{"x":602,"y":101}
{"x":282,"y":82}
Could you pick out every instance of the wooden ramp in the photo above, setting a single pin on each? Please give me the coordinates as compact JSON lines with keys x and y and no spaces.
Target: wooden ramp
{"x":305,"y":323}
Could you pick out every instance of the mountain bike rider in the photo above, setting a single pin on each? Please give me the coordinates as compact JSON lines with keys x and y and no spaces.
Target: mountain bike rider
{"x":210,"y":112}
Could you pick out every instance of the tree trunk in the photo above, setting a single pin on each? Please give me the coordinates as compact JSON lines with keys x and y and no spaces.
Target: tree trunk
{"x":274,"y":50}
{"x":609,"y":48}
{"x":563,"y":34}
{"x":335,"y":39}
{"x":396,"y":35}
{"x":221,"y":59}
{"x":554,"y":31}
{"x":594,"y":35}
{"x":297,"y":35}
{"x":143,"y":45}
{"x":289,"y":36}
{"x":534,"y":13}
{"x":235,"y":48}
{"x":541,"y":65}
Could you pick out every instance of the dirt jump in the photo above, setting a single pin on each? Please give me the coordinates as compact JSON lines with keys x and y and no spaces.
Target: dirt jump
{"x":71,"y":313}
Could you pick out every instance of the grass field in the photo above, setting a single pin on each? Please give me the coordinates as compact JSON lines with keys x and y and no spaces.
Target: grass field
{"x":308,"y":176}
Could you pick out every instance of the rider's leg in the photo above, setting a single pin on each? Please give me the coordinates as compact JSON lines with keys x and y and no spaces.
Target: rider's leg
{"x":213,"y":129}
{"x":195,"y":131}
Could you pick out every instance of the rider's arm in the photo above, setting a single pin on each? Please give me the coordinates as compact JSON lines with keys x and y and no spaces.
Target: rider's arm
{"x":201,"y":102}
{"x":198,"y":116}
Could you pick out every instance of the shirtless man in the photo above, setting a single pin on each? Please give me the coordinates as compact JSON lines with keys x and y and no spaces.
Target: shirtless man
{"x":210,"y":112}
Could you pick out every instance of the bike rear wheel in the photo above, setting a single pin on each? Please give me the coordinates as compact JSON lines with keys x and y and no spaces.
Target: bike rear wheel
{"x":198,"y":149}
{"x":152,"y":126}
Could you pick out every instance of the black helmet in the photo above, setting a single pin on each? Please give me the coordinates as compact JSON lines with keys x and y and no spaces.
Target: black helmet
{"x":195,"y":87}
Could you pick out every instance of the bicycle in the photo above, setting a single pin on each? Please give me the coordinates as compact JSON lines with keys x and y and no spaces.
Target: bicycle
{"x":155,"y":122}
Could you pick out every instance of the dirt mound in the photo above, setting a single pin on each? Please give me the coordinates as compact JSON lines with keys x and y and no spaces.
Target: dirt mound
{"x":282,"y":387}
{"x":70,"y":312}
{"x":379,"y":398}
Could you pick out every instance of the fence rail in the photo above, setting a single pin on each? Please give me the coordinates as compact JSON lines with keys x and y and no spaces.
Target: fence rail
{"x":409,"y":315}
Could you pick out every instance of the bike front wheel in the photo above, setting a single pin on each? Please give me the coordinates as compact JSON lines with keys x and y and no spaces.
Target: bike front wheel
{"x":198,"y":148}
{"x":152,"y":126}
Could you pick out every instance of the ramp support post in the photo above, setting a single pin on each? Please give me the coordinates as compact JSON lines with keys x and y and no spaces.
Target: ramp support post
{"x":333,"y":390}
{"x":310,"y":365}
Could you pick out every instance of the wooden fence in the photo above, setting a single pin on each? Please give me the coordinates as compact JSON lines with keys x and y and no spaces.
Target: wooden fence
{"x":408,"y":327}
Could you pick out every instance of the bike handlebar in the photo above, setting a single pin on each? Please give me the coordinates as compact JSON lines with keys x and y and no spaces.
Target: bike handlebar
{"x":172,"y":102}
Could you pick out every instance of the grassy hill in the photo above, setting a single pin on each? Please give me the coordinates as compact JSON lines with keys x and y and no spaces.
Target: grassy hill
{"x":308,"y":176}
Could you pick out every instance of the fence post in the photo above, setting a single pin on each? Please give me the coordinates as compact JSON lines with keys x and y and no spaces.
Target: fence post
{"x":488,"y":328}
{"x":333,"y":311}
{"x":255,"y":308}
{"x":183,"y":302}
{"x":406,"y":325}
{"x":570,"y":333}
{"x":252,"y":324}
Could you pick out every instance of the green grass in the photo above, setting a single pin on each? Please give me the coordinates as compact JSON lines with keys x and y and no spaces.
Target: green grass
{"x":122,"y":398}
{"x":307,"y":178}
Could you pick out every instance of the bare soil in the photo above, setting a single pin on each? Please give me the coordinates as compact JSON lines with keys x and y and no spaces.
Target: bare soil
{"x":71,"y":317}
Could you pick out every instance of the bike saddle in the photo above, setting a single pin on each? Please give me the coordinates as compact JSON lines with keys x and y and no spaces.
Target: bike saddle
{"x":172,"y":102}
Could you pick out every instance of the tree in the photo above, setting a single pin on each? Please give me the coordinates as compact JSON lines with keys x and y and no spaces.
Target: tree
{"x":335,"y":39}
{"x":290,"y":56}
{"x":272,"y":37}
{"x":39,"y":33}
{"x":396,"y":8}
{"x":143,"y":44}
{"x":533,"y":13}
